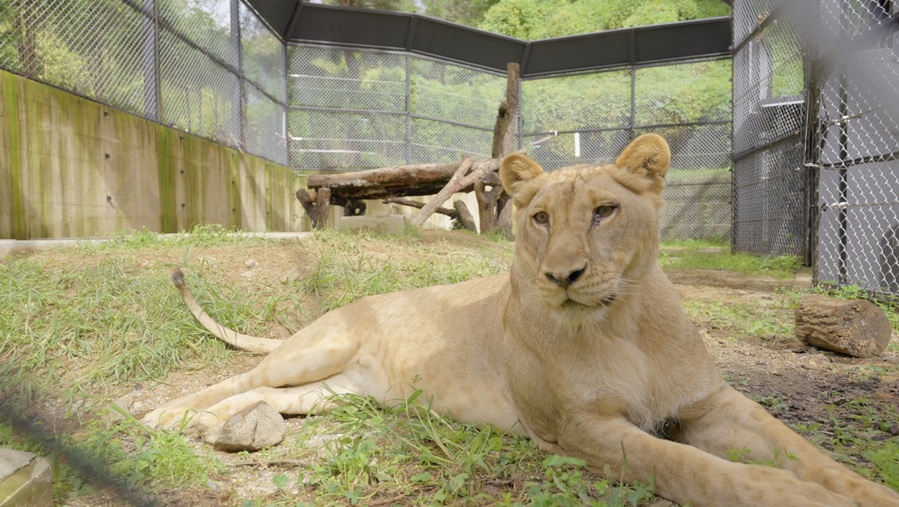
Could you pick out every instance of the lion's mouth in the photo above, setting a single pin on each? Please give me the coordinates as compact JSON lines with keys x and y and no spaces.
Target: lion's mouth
{"x":602,"y":302}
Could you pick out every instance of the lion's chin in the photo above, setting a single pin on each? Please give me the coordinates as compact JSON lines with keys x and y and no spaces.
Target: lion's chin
{"x":579,"y":304}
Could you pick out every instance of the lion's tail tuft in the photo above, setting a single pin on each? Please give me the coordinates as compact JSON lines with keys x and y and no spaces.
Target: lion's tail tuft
{"x":178,"y":278}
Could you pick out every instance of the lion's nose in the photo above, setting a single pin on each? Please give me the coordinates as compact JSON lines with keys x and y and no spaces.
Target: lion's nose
{"x":565,"y":278}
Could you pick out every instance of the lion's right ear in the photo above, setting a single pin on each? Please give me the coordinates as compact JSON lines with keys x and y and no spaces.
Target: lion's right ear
{"x":516,"y":171}
{"x":648,"y":158}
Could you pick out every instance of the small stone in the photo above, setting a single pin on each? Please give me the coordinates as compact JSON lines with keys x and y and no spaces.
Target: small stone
{"x":252,"y":429}
{"x":250,"y":263}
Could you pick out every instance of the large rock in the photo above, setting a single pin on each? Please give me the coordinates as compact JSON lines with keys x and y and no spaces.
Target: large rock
{"x":854,"y":327}
{"x":252,"y":429}
{"x":25,"y":479}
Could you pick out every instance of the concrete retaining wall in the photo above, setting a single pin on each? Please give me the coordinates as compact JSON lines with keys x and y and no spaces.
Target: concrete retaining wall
{"x":70,"y":167}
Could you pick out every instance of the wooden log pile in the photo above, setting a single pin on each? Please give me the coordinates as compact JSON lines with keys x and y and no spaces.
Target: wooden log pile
{"x":395,"y":184}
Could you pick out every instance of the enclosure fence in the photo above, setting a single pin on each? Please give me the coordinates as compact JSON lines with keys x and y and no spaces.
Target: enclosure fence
{"x":589,"y":118}
{"x":816,"y":136}
{"x":211,"y":68}
{"x":214,"y":69}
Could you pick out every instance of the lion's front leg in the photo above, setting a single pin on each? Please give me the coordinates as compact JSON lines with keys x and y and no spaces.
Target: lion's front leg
{"x":729,"y":422}
{"x":616,"y":449}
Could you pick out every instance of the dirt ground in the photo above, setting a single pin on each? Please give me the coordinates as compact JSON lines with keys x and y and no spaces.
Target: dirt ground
{"x":796,"y":383}
{"x":802,"y":381}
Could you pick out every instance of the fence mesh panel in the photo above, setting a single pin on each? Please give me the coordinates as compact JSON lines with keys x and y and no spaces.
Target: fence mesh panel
{"x":214,"y":69}
{"x":821,"y":184}
{"x":206,"y":24}
{"x":589,"y":118}
{"x":182,"y":69}
{"x":769,"y":111}
{"x":856,"y":145}
{"x":90,"y":48}
{"x":198,"y":95}
{"x":262,"y":55}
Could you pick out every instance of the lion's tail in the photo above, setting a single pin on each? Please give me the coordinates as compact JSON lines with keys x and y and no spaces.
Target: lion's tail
{"x":229,"y":336}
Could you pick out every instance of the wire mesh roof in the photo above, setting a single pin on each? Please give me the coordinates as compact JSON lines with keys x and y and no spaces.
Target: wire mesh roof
{"x":303,"y":22}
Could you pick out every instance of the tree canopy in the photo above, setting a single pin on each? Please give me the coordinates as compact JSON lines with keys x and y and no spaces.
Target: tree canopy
{"x":538,"y":19}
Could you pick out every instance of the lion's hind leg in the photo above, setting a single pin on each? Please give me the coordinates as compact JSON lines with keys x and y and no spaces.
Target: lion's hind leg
{"x":297,"y":363}
{"x":306,"y":399}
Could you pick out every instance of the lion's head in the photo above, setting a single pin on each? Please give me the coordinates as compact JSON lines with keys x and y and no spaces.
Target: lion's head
{"x":585,"y":233}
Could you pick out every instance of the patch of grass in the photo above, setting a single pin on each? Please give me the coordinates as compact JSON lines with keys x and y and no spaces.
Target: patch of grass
{"x":712,"y":255}
{"x":114,"y":451}
{"x":345,"y":270}
{"x":860,"y":434}
{"x":409,"y":455}
{"x":770,"y":322}
{"x":83,"y":325}
{"x":145,"y":457}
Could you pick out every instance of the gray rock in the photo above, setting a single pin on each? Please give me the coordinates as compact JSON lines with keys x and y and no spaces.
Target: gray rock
{"x":252,"y":429}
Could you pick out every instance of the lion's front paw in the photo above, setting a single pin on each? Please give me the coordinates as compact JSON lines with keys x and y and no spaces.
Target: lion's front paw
{"x":161,"y":418}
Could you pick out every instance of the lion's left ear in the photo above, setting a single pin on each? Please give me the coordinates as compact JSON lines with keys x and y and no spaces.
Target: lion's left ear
{"x":516,"y":172}
{"x":647,"y":156}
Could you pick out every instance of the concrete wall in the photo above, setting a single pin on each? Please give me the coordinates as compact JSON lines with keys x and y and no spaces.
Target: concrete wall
{"x":70,"y":167}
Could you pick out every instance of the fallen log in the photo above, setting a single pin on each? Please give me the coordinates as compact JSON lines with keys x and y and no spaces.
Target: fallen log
{"x":465,"y":217}
{"x":396,"y":181}
{"x":457,"y":182}
{"x":459,"y":212}
{"x":415,"y":204}
{"x":855,"y":327}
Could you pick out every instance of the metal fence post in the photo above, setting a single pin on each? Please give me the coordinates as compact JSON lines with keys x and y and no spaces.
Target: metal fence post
{"x":408,"y":109}
{"x":150,"y":59}
{"x":238,"y":102}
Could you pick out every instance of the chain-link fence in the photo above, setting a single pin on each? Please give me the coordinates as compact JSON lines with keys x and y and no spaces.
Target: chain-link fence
{"x":357,"y":109}
{"x":855,"y":144}
{"x":816,"y":136}
{"x":208,"y":67}
{"x":213,"y":68}
{"x":770,"y":211}
{"x":589,"y":118}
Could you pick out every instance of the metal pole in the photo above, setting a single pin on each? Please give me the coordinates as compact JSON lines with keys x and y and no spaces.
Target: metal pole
{"x":150,"y":60}
{"x":408,"y":111}
{"x":285,"y":111}
{"x":238,"y":96}
{"x":633,"y":118}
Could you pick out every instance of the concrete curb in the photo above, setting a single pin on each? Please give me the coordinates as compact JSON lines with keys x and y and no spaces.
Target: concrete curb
{"x":26,"y":479}
{"x":12,"y":246}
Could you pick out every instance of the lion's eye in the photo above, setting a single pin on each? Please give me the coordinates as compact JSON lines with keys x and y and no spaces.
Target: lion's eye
{"x":541,"y":217}
{"x":602,"y":212}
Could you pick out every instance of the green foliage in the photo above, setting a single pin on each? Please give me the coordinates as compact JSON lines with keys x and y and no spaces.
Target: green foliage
{"x":465,"y":12}
{"x":141,"y":456}
{"x":886,"y":461}
{"x":537,"y":19}
{"x":408,"y":449}
{"x":389,"y":5}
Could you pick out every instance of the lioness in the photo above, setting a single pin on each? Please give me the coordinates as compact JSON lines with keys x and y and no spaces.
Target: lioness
{"x":583,"y":347}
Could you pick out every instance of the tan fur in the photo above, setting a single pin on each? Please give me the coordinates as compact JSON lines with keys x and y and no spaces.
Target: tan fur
{"x":582,"y":346}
